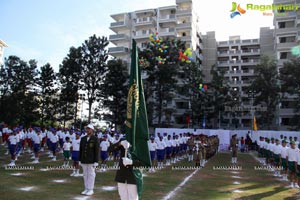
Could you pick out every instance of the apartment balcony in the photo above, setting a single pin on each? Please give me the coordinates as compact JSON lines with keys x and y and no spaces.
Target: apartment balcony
{"x":239,"y":52}
{"x":185,"y":38}
{"x":145,"y":21}
{"x":286,"y":112}
{"x":184,"y":26}
{"x":142,"y":34}
{"x":167,"y":32}
{"x":117,"y":38}
{"x":244,"y":62}
{"x":285,"y":15}
{"x":118,"y":51}
{"x":186,"y":12}
{"x":118,"y":26}
{"x":167,"y":19}
{"x":289,"y":30}
{"x":286,"y":45}
{"x":234,"y":42}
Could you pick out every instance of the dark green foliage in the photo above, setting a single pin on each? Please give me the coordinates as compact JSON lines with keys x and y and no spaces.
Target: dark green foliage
{"x":115,"y":91}
{"x":93,"y":57}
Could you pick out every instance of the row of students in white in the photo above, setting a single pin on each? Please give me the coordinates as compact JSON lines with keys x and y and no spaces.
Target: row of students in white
{"x":283,"y":158}
{"x":167,"y":148}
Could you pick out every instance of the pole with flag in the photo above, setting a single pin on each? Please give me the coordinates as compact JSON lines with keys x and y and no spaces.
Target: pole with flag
{"x":137,"y":130}
{"x":254,"y":124}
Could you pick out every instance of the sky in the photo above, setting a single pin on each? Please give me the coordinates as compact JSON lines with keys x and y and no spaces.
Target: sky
{"x":45,"y":30}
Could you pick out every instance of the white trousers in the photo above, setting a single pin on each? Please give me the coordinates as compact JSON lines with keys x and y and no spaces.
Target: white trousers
{"x":89,"y":176}
{"x":127,"y":191}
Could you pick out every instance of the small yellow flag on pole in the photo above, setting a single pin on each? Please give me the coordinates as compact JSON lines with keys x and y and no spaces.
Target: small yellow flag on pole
{"x":254,"y":124}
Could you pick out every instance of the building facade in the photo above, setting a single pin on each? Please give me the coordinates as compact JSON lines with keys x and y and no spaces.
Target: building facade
{"x":286,"y":36}
{"x":236,"y":57}
{"x":2,"y":46}
{"x":178,"y":21}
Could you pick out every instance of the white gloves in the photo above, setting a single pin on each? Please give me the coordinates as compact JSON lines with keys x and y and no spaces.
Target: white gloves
{"x":79,"y":163}
{"x":125,"y":144}
{"x":95,"y":165}
{"x":126,"y":161}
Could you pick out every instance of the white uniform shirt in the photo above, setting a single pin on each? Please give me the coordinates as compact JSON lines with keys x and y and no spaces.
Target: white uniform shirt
{"x":54,"y":138}
{"x":292,"y":154}
{"x":298,"y":156}
{"x":169,"y":143}
{"x":37,"y":139}
{"x":67,"y":146}
{"x":104,"y":145}
{"x":161,"y":145}
{"x":76,"y":144}
{"x":13,"y":139}
{"x":152,"y":145}
{"x":277,"y":149}
{"x":283,"y":152}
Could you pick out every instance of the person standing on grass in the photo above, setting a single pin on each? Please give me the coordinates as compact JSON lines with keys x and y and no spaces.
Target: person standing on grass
{"x":12,"y":143}
{"x":88,"y":159}
{"x":125,"y":177}
{"x":104,"y":144}
{"x":283,"y":161}
{"x":54,"y":142}
{"x":67,"y":151}
{"x":298,"y":165}
{"x":292,"y":164}
{"x":75,"y":154}
{"x":234,"y":148}
{"x":152,"y":148}
{"x":36,"y":139}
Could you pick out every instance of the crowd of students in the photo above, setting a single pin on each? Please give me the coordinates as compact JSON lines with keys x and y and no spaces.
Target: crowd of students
{"x":282,"y":156}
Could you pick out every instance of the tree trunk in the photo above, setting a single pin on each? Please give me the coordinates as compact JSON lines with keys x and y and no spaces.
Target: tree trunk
{"x":90,"y":111}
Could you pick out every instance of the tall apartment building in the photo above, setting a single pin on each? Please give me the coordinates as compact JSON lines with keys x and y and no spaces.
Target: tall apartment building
{"x":238,"y":59}
{"x":2,"y":46}
{"x":287,"y":35}
{"x":176,"y":21}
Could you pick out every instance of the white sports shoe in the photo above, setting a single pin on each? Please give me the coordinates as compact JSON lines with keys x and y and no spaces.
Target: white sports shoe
{"x":85,"y":191}
{"x":77,"y":174}
{"x":296,"y":185}
{"x":35,"y":161}
{"x":54,"y":159}
{"x":291,"y":186}
{"x":90,"y":192}
{"x":73,"y":174}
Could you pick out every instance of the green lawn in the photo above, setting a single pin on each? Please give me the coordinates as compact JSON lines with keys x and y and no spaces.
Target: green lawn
{"x":207,"y":183}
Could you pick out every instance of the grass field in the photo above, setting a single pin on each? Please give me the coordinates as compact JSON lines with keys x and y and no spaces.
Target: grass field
{"x":207,"y":183}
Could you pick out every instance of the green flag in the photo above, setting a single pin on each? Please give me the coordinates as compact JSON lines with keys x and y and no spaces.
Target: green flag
{"x":137,"y":131}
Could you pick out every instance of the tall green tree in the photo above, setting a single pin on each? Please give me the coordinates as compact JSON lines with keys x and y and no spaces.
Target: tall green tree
{"x":70,"y":83}
{"x":162,"y":76}
{"x":267,"y":91}
{"x":94,"y":68}
{"x":218,"y":90}
{"x":22,"y":103}
{"x":290,"y":86}
{"x":47,"y":90}
{"x":115,"y":91}
{"x":191,"y":77}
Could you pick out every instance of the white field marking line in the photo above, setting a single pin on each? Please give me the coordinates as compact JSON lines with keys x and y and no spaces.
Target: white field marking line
{"x":109,"y":188}
{"x":172,"y":193}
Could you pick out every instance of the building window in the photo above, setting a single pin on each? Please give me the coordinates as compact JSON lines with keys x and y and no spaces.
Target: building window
{"x":281,"y":24}
{"x":283,"y":55}
{"x":282,"y":40}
